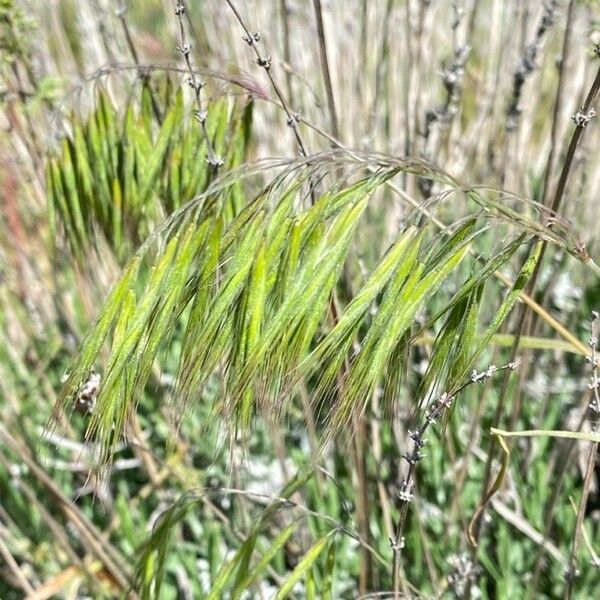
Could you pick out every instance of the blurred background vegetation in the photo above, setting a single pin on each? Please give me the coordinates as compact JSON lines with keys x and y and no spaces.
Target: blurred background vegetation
{"x":264,"y":476}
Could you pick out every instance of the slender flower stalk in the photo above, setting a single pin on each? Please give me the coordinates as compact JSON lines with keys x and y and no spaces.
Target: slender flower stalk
{"x":264,"y":61}
{"x":415,"y":455}
{"x":196,"y":84}
{"x":572,"y":572}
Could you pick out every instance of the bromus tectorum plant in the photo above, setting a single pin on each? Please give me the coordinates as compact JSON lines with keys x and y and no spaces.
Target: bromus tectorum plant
{"x":257,"y":263}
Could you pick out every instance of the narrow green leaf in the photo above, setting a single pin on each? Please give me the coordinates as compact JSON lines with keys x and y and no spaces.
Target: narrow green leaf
{"x":303,"y":566}
{"x":247,"y":578}
{"x":228,"y":569}
{"x":328,"y":572}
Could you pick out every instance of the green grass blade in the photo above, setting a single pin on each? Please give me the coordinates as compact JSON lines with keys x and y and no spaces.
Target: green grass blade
{"x":303,"y":566}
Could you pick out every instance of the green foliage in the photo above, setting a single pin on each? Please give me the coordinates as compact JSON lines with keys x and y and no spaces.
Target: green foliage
{"x":118,"y":175}
{"x":237,"y":574}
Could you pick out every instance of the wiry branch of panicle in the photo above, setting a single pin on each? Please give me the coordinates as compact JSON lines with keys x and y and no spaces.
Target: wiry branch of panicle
{"x":264,"y":61}
{"x":572,"y":572}
{"x":201,"y":114}
{"x":594,"y":384}
{"x":415,"y":455}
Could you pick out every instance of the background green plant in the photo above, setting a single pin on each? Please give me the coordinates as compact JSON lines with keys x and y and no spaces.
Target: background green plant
{"x":268,"y":333}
